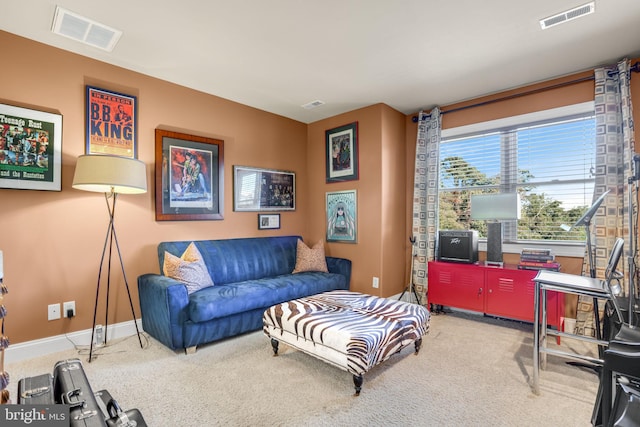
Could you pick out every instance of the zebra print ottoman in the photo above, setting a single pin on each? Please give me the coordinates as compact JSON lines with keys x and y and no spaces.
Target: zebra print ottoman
{"x":350,"y":330}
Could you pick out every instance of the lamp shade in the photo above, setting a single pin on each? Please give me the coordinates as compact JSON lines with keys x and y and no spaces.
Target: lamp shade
{"x":104,"y":173}
{"x":499,"y":206}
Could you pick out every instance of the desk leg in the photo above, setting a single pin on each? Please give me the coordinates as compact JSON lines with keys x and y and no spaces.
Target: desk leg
{"x":596,"y":317}
{"x":543,"y":295}
{"x":536,"y":337}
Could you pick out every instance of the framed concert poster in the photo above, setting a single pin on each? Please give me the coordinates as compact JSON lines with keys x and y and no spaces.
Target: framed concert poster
{"x":112,"y":123}
{"x":342,"y":153}
{"x":342,"y":216}
{"x":30,"y":149}
{"x":257,"y":189}
{"x":189,"y":177}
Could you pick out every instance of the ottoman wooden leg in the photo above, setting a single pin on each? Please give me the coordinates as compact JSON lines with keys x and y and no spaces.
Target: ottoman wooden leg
{"x":357,"y":381}
{"x":274,"y":344}
{"x":418,"y":343}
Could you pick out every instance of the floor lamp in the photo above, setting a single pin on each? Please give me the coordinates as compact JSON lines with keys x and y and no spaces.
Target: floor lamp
{"x":111,"y":175}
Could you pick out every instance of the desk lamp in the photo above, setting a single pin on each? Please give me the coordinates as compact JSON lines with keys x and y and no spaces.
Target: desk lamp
{"x":495,"y":208}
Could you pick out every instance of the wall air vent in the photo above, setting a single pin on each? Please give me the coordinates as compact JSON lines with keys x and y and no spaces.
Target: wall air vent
{"x":84,"y":30}
{"x":313,"y":104}
{"x":569,"y":15}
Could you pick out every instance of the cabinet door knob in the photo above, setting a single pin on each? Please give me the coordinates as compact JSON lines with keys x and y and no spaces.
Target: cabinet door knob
{"x":479,"y":291}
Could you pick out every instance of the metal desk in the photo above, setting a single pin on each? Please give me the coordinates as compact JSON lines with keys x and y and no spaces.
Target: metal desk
{"x":565,"y":283}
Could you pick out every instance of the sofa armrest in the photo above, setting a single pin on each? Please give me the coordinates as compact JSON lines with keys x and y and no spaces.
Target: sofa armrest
{"x":340,"y":266}
{"x":163,"y":304}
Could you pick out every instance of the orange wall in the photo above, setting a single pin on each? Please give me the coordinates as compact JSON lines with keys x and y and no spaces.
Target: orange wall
{"x":380,"y":191}
{"x":52,"y":241}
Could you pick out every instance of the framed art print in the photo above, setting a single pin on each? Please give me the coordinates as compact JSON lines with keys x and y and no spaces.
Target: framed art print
{"x":112,"y":123}
{"x":342,"y":216}
{"x":30,"y":149}
{"x":189,"y":177}
{"x":342,"y":153}
{"x":257,"y":189}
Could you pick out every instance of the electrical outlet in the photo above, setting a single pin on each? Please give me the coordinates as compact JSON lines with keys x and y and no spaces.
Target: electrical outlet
{"x":69,"y":305}
{"x":376,"y":282}
{"x":98,"y":336}
{"x":54,"y":311}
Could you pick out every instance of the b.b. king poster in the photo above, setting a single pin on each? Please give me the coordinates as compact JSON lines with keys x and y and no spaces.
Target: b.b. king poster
{"x":111,"y":123}
{"x":30,"y":149}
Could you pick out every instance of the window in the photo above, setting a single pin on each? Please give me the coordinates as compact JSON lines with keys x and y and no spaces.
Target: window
{"x":547,"y":157}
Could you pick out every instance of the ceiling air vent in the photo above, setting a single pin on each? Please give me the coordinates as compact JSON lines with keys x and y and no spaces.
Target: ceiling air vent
{"x":569,"y":15}
{"x":313,"y":104}
{"x":84,"y":30}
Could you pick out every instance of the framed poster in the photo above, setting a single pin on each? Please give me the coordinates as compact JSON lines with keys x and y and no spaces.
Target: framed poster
{"x":268,"y":221}
{"x":189,"y":177}
{"x":342,"y":216}
{"x":30,"y":149}
{"x":256,"y":189}
{"x":342,"y":153}
{"x":112,"y":123}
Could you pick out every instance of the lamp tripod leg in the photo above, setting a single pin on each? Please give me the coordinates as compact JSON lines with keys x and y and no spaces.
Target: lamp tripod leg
{"x":104,"y":251}
{"x":126,"y":282}
{"x":110,"y":238}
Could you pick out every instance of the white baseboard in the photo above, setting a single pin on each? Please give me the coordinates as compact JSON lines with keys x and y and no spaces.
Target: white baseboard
{"x":41,"y":347}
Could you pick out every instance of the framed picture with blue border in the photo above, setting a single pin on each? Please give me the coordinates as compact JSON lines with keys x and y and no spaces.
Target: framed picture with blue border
{"x":342,"y":216}
{"x":189,"y":177}
{"x":342,"y":153}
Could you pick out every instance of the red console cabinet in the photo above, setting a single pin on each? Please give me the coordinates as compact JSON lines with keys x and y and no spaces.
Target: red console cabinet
{"x":497,"y":291}
{"x":456,"y":285}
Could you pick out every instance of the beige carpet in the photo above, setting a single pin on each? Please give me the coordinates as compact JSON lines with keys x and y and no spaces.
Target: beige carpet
{"x":471,"y":371}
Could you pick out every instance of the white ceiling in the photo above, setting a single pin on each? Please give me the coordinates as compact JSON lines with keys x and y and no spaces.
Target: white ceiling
{"x":280,"y":54}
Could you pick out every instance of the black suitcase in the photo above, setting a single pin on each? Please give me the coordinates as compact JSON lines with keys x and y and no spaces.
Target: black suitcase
{"x":116,"y":417}
{"x":71,"y":387}
{"x":103,"y":397}
{"x":36,"y":390}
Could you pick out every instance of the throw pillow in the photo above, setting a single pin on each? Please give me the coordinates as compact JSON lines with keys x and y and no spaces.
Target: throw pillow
{"x":310,"y":259}
{"x":189,"y":269}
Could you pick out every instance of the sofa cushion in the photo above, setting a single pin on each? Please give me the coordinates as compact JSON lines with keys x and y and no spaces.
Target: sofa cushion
{"x":189,"y":269}
{"x":225,"y":300}
{"x":310,"y":259}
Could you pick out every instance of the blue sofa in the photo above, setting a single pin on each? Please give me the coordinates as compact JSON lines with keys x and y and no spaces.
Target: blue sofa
{"x":249,"y":276}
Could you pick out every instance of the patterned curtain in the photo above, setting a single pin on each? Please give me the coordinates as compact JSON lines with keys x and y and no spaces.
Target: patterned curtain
{"x":425,"y":195}
{"x":615,"y":148}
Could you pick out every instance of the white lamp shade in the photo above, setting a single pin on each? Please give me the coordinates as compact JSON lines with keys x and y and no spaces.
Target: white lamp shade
{"x":104,"y":173}
{"x":500,"y":206}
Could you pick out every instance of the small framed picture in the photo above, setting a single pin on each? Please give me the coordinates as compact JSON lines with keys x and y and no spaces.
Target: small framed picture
{"x":342,"y":216}
{"x":268,"y":221}
{"x":342,"y":153}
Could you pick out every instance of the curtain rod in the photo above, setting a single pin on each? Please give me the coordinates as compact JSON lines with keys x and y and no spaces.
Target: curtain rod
{"x":635,"y":68}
